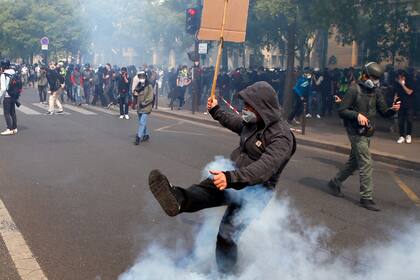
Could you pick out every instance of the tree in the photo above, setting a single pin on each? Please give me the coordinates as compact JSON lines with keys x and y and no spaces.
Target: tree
{"x":24,"y":23}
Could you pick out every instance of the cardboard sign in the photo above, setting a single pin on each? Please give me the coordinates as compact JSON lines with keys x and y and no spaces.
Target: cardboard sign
{"x":236,"y":20}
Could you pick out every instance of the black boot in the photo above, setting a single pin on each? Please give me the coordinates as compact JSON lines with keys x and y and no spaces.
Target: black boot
{"x":169,"y":198}
{"x":334,"y":189}
{"x":369,"y":204}
{"x":137,"y":141}
{"x":145,"y":138}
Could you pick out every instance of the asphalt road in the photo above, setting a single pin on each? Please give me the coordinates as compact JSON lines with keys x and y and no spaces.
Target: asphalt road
{"x":77,"y":190}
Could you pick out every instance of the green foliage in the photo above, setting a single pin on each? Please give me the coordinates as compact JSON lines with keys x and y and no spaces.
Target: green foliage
{"x":25,"y":22}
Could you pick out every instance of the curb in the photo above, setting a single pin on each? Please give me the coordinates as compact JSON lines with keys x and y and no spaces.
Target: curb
{"x":342,"y":149}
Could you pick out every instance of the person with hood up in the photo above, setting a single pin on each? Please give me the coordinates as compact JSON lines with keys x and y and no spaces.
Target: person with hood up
{"x":144,"y":93}
{"x":266,"y":146}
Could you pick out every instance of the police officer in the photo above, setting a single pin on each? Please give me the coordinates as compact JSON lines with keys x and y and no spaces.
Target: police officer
{"x":266,"y":146}
{"x":358,"y":109}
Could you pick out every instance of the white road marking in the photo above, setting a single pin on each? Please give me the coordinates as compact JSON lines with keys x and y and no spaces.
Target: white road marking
{"x":25,"y":262}
{"x":27,"y":110}
{"x":102,"y":110}
{"x":181,"y":132}
{"x":44,"y":107}
{"x":168,"y":126}
{"x":79,"y":109}
{"x":1,"y":111}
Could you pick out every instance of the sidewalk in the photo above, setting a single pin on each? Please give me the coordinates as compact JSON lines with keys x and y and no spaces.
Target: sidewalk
{"x":330,"y":135}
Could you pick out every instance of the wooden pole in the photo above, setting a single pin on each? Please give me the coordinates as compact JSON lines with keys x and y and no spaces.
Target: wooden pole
{"x":219,"y":53}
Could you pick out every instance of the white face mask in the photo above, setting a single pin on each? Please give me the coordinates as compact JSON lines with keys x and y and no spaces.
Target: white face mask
{"x":249,"y":117}
{"x":142,"y":81}
{"x":372,"y":83}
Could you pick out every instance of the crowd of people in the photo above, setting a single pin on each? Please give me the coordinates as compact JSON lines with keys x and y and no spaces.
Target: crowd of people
{"x":115,"y":86}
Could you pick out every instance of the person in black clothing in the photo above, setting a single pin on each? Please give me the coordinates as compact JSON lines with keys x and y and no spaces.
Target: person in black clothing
{"x":56,"y":83}
{"x":9,"y":100}
{"x":98,"y":82}
{"x":266,"y":146}
{"x":404,"y":93}
{"x":123,"y":85}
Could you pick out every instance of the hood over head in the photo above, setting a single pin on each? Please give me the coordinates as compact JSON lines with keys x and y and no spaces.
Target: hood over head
{"x":263,"y":98}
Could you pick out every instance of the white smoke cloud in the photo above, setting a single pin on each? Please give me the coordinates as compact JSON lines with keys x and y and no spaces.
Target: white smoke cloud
{"x":280,"y":245}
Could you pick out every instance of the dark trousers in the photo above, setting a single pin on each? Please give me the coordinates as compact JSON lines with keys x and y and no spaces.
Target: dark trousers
{"x":109,"y":90}
{"x":42,"y":91}
{"x":123,"y":101}
{"x":297,"y":109}
{"x":181,"y":95}
{"x":99,"y":94}
{"x":405,"y":122}
{"x":237,"y":216}
{"x":9,"y":110}
{"x":86,"y":91}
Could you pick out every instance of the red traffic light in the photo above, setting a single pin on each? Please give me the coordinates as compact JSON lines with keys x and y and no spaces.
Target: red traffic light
{"x":192,"y":12}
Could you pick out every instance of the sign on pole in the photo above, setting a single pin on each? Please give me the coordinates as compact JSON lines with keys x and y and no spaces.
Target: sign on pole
{"x":212,"y":20}
{"x":202,"y":48}
{"x":45,"y":41}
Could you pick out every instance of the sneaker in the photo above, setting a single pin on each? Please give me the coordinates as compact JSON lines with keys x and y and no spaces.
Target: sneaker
{"x":49,"y":113}
{"x":122,"y":117}
{"x":401,"y":140}
{"x":127,"y":117}
{"x":369,"y":204}
{"x":308,"y":116}
{"x":168,"y":197}
{"x":318,"y":116}
{"x":296,"y":121}
{"x":408,"y":139}
{"x":7,"y":132}
{"x":334,"y":189}
{"x":15,"y":131}
{"x":60,"y":112}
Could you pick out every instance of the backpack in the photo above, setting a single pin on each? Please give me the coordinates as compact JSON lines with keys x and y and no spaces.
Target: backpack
{"x":14,"y":89}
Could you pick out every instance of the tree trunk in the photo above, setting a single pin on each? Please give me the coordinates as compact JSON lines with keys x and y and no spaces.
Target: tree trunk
{"x":288,"y":85}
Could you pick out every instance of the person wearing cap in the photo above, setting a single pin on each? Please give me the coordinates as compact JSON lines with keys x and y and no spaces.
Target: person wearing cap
{"x":9,"y":103}
{"x":358,"y":109}
{"x":144,"y":92}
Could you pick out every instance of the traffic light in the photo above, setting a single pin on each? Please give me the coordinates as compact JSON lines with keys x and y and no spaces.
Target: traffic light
{"x":193,"y":20}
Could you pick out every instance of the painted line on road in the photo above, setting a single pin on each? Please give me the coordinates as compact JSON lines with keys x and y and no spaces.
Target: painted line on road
{"x":46,"y":108}
{"x":406,"y":189}
{"x":25,"y":262}
{"x":168,"y":126}
{"x":182,"y":132}
{"x":79,"y":110}
{"x":102,"y":110}
{"x":27,"y":110}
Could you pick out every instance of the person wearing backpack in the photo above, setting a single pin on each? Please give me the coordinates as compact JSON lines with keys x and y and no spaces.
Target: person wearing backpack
{"x":358,"y":109}
{"x":10,"y":89}
{"x":42,"y":84}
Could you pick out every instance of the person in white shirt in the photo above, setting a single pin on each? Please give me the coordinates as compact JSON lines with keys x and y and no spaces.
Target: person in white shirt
{"x":9,"y":103}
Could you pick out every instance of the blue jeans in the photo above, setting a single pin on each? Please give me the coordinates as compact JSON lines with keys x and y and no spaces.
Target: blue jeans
{"x":76,"y":94}
{"x":143,"y":131}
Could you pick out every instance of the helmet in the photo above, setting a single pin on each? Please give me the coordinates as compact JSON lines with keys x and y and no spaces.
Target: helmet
{"x":5,"y":64}
{"x":373,"y":69}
